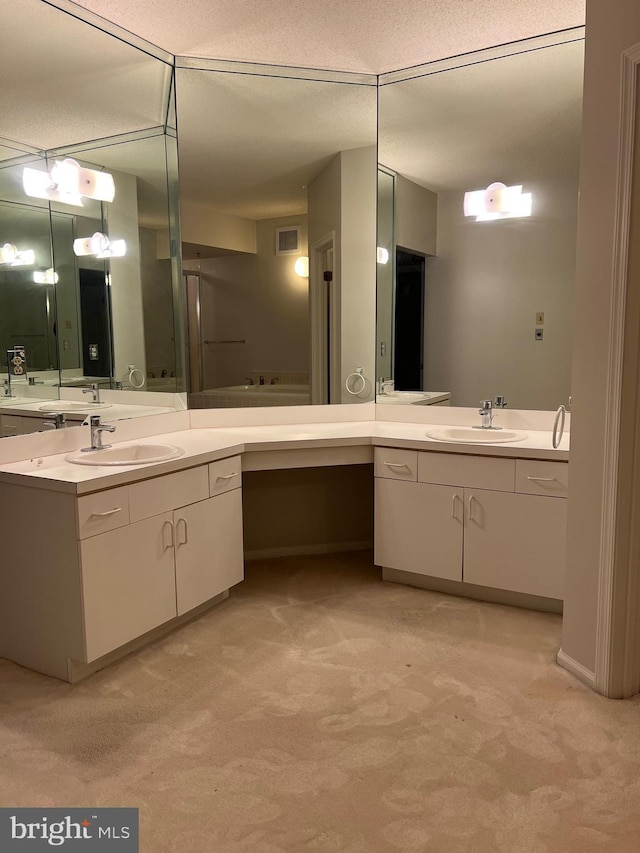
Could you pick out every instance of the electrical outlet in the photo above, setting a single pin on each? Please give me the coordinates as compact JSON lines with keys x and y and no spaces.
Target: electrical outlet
{"x":540,"y":318}
{"x":539,"y":334}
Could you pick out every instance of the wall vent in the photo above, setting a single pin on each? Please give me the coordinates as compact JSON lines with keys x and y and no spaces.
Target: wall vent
{"x":288,"y":240}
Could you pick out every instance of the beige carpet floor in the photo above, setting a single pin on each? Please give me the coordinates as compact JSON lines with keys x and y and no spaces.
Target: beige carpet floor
{"x":321,"y":710}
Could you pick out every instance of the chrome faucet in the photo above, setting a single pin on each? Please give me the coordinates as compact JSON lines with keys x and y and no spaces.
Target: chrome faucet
{"x":249,"y":380}
{"x":386,"y":385}
{"x":33,"y":380}
{"x":6,"y":386}
{"x":96,"y":434}
{"x":94,"y":389}
{"x":486,"y":412}
{"x":500,"y":402}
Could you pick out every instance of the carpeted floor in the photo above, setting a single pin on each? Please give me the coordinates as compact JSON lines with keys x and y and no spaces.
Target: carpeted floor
{"x":321,"y":710}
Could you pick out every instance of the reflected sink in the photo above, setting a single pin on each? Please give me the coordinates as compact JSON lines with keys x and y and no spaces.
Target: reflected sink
{"x":70,"y":406}
{"x":130,"y":454}
{"x":469,"y":435}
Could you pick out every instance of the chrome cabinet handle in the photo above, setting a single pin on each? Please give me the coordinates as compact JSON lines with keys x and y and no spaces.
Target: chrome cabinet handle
{"x":106,"y":513}
{"x":227,"y":476}
{"x":186,"y":535}
{"x":544,"y":479}
{"x":171,"y":541}
{"x":558,"y":425}
{"x":471,"y":500}
{"x":455,"y":498}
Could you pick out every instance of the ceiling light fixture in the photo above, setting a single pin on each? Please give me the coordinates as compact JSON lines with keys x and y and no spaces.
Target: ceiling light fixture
{"x":382,"y":255}
{"x":498,"y":201}
{"x":99,"y":246}
{"x":68,"y":182}
{"x":14,"y":257}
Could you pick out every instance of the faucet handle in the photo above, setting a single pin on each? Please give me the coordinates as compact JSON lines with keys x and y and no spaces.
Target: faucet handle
{"x":486,"y":404}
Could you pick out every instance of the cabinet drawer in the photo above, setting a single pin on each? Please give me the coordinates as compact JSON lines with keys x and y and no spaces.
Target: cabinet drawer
{"x":535,"y":477}
{"x":102,"y":512}
{"x":393,"y":464}
{"x":475,"y":472}
{"x":162,"y":494}
{"x":225,"y":475}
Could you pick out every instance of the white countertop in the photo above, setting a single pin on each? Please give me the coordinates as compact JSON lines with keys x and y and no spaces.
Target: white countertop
{"x":208,"y":445}
{"x":117,"y":411}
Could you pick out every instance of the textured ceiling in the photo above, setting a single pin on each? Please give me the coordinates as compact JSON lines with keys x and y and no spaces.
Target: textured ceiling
{"x":370,"y":36}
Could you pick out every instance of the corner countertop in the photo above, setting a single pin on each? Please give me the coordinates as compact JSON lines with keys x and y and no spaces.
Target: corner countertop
{"x":39,"y":409}
{"x":202,"y":446}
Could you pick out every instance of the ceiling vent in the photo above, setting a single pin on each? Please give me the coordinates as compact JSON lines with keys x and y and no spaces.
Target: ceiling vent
{"x":288,"y":240}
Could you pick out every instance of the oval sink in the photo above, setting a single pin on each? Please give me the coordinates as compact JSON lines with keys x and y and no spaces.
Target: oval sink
{"x":131,"y":454}
{"x":70,"y":406}
{"x":469,"y":435}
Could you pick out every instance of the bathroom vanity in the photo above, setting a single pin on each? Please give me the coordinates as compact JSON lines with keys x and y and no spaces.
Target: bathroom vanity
{"x":101,"y":560}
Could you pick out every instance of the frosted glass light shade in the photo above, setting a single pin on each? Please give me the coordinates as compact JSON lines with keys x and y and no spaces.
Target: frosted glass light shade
{"x":49,"y":276}
{"x":99,"y":246}
{"x":382,"y":255}
{"x":498,"y":201}
{"x":301,"y":266}
{"x":68,"y":182}
{"x":14,"y":257}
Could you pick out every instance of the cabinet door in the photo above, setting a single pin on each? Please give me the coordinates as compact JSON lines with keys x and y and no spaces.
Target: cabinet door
{"x":128,"y":582}
{"x":209,"y":556}
{"x":515,"y":542}
{"x":418,"y":528}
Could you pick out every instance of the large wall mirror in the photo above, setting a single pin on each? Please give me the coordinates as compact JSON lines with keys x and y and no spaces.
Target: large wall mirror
{"x":278,"y":190}
{"x":90,"y":296}
{"x":476,"y":306}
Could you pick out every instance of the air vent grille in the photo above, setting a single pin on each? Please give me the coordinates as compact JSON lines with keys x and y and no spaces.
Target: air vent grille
{"x":288,"y":240}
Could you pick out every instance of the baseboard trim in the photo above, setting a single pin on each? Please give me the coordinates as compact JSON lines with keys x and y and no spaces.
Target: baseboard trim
{"x":579,"y":670}
{"x":307,"y":550}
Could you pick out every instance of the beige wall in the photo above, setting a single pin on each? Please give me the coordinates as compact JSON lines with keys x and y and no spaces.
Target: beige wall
{"x":611,"y":29}
{"x":126,"y":284}
{"x":415,"y":217}
{"x":206,"y":227}
{"x":157,"y":302}
{"x":307,"y":509}
{"x":358,"y":268}
{"x":482,"y":293}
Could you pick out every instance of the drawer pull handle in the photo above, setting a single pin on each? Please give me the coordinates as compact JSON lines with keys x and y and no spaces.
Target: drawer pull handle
{"x":397,"y":465}
{"x":544,"y":479}
{"x":164,"y":527}
{"x":106,"y":513}
{"x":227,"y":476}
{"x":186,"y":535}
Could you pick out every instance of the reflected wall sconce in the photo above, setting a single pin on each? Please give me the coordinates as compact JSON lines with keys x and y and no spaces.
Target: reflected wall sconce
{"x":49,"y":276}
{"x":498,"y":201}
{"x":14,"y":257}
{"x":99,"y":246}
{"x":68,"y":182}
{"x":382,"y":255}
{"x":301,"y":266}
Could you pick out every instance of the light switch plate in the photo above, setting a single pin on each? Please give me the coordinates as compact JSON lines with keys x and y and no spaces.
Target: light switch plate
{"x":540,"y":318}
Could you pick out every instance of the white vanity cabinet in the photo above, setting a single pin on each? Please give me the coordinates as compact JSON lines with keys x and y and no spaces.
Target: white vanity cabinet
{"x":491,"y":522}
{"x":181,"y":548}
{"x":143,"y":555}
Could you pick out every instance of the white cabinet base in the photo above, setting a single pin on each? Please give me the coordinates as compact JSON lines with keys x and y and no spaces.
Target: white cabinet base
{"x":468,"y":590}
{"x":76,"y":670}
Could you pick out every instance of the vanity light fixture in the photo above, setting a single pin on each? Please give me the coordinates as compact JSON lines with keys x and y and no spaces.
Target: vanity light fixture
{"x":14,"y":257}
{"x":99,"y":246}
{"x":49,"y":276}
{"x":301,"y":266}
{"x":382,"y":255}
{"x":68,"y":182}
{"x":498,"y":201}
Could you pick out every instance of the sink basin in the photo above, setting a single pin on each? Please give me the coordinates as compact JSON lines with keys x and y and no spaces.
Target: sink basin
{"x":469,"y":435}
{"x":70,"y":406}
{"x":130,"y":454}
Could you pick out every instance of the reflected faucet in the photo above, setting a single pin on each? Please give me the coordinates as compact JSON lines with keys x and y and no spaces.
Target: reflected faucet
{"x":57,"y":420}
{"x":94,"y":389}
